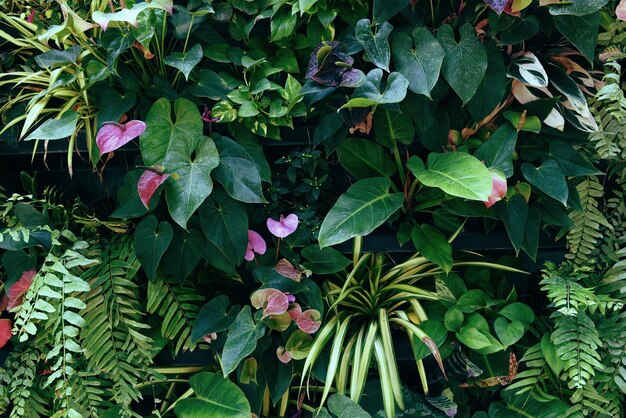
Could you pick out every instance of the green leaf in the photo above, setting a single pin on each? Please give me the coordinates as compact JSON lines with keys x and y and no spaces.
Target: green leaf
{"x":508,"y":332}
{"x":185,"y":62}
{"x":530,"y":243}
{"x":549,"y":178}
{"x":518,"y":311}
{"x":344,"y":407}
{"x":216,"y":397}
{"x":237,"y":172}
{"x":577,"y":8}
{"x":242,"y":338}
{"x":456,"y":173}
{"x":453,"y":319}
{"x":186,"y":193}
{"x":418,"y":57}
{"x":360,"y":210}
{"x":369,"y":94}
{"x":224,"y":222}
{"x":364,"y":158}
{"x":150,"y":241}
{"x":113,"y":105}
{"x":211,"y":85}
{"x":56,"y":128}
{"x":433,"y":245}
{"x":497,"y":151}
{"x":522,"y":122}
{"x":53,"y":57}
{"x":376,"y":45}
{"x":277,"y":374}
{"x":384,"y":10}
{"x":282,"y":26}
{"x":214,"y":316}
{"x":129,"y":203}
{"x":491,"y":90}
{"x":472,"y":300}
{"x":324,"y":260}
{"x":392,"y":127}
{"x":570,"y":160}
{"x":465,"y":63}
{"x":184,"y":253}
{"x":514,"y":213}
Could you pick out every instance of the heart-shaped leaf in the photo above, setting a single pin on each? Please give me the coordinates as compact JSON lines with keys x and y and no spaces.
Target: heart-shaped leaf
{"x":150,"y":241}
{"x":433,"y":245}
{"x":376,"y":45}
{"x":241,"y":341}
{"x":216,"y":397}
{"x":491,"y":90}
{"x":418,"y":57}
{"x":5,"y":331}
{"x":215,"y":316}
{"x":465,"y":63}
{"x":114,"y":135}
{"x":369,"y":94}
{"x":508,"y":332}
{"x":360,"y":210}
{"x":393,"y":127}
{"x":185,"y":62}
{"x":309,"y":321}
{"x":184,"y":253}
{"x":329,"y":61}
{"x":498,"y":150}
{"x":272,"y":301}
{"x":548,"y":178}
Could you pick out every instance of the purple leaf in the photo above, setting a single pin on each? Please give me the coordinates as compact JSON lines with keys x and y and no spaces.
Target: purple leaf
{"x":113,"y":135}
{"x":256,"y":244}
{"x":498,"y":5}
{"x":329,"y":61}
{"x":352,"y":78}
{"x":147,"y":185}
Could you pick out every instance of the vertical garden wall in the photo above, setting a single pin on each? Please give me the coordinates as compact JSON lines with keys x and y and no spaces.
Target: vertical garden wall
{"x":294,"y":208}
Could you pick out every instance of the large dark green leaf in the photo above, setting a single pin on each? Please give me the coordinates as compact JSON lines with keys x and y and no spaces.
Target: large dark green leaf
{"x":216,"y":397}
{"x":225,"y":224}
{"x":54,"y":56}
{"x":392,"y":127}
{"x":242,"y":338}
{"x":514,"y":213}
{"x":114,"y":104}
{"x":237,"y":172}
{"x":130,"y":205}
{"x":418,"y":57}
{"x":360,"y":210}
{"x":150,"y":241}
{"x":456,"y":173}
{"x":55,"y":128}
{"x":278,"y":375}
{"x":465,"y":63}
{"x":433,"y":245}
{"x":577,"y":8}
{"x":186,"y":193}
{"x":324,"y":260}
{"x":571,"y":161}
{"x":185,"y":62}
{"x":548,"y":178}
{"x":364,"y":158}
{"x":530,"y":243}
{"x":376,"y":45}
{"x":386,"y":9}
{"x":215,"y":316}
{"x":184,"y":253}
{"x":581,"y":31}
{"x":491,"y":90}
{"x":497,"y":151}
{"x":211,"y":85}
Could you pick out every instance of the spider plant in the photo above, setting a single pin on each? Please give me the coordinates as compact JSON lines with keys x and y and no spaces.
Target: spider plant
{"x":364,"y":304}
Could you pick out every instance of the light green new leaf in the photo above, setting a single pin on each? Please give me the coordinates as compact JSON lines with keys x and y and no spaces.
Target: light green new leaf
{"x":420,"y":64}
{"x":456,"y":173}
{"x":216,"y":397}
{"x":241,"y":341}
{"x":433,"y":245}
{"x":151,"y":239}
{"x":185,"y":62}
{"x":360,"y":210}
{"x":376,"y":45}
{"x":56,"y":128}
{"x":465,"y":63}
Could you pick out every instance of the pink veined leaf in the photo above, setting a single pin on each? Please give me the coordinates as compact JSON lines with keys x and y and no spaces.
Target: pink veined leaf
{"x":148,"y":183}
{"x":498,"y":188}
{"x":436,"y":354}
{"x":19,"y":289}
{"x":272,"y":301}
{"x":283,"y":355}
{"x":620,"y":11}
{"x":256,"y":244}
{"x":283,"y":227}
{"x":309,"y":321}
{"x":114,"y":135}
{"x":294,"y":311}
{"x":285,"y":268}
{"x":5,"y":331}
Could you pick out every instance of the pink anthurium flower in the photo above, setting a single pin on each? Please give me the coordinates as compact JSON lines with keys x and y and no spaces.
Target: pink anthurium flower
{"x":283,"y":355}
{"x":294,"y":311}
{"x":284,"y":227}
{"x":5,"y":331}
{"x":620,"y":11}
{"x":210,"y":337}
{"x":113,"y":135}
{"x":272,"y":301}
{"x":256,"y":244}
{"x":19,"y":289}
{"x":498,"y":188}
{"x":147,"y":185}
{"x":309,"y":321}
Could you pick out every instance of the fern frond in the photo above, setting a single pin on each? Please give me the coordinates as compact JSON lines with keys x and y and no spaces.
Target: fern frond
{"x":178,"y":305}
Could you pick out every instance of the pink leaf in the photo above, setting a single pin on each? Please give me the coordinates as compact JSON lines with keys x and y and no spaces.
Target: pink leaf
{"x":294,"y":311}
{"x":620,"y":11}
{"x":19,"y":289}
{"x":284,"y":227}
{"x":5,"y":331}
{"x":436,"y":354}
{"x":498,"y":188}
{"x":309,"y":321}
{"x":4,"y":301}
{"x":283,"y":355}
{"x":256,"y":244}
{"x":113,"y":135}
{"x":285,"y":268}
{"x":272,"y":301}
{"x":147,"y":185}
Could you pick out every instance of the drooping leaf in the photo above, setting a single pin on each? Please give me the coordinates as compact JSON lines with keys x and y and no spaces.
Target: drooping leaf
{"x":360,"y":210}
{"x":150,"y":241}
{"x":211,"y":85}
{"x":127,"y":15}
{"x":465,"y":62}
{"x":324,"y":260}
{"x":514,"y":213}
{"x":56,"y":128}
{"x":570,"y":160}
{"x":581,"y":31}
{"x":456,"y":173}
{"x":364,"y":158}
{"x":216,"y":397}
{"x":129,"y":203}
{"x":549,"y":178}
{"x":433,"y":245}
{"x":376,"y":45}
{"x":215,"y":316}
{"x":5,"y":331}
{"x":418,"y":57}
{"x":185,"y":62}
{"x":242,"y":339}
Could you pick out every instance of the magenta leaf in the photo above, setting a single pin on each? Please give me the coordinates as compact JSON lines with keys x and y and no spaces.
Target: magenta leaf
{"x":5,"y":331}
{"x":272,"y":301}
{"x":256,"y":244}
{"x":147,"y":185}
{"x":309,"y":321}
{"x":113,"y":135}
{"x":19,"y":289}
{"x":285,"y":268}
{"x":283,"y":227}
{"x":294,"y":311}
